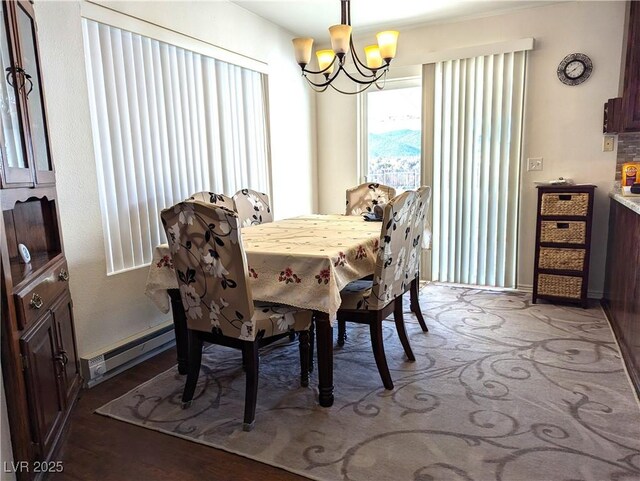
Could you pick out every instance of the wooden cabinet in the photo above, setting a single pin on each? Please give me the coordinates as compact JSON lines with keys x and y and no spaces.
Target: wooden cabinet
{"x":24,"y":141}
{"x":39,"y":355}
{"x":52,"y":373}
{"x":563,"y":243}
{"x":622,"y":284}
{"x":623,"y":114}
{"x":631,"y":93}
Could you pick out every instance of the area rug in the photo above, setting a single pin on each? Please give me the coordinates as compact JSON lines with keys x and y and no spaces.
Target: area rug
{"x":500,"y":390}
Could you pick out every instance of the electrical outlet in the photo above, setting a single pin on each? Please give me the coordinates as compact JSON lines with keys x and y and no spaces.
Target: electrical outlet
{"x":608,"y":143}
{"x":534,"y":163}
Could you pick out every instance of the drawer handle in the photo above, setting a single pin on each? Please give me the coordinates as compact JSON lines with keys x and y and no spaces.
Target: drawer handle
{"x":64,"y":275}
{"x":564,"y":197}
{"x":562,"y":225}
{"x":36,"y":301}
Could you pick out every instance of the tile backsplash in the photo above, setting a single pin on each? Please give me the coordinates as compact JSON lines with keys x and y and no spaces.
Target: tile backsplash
{"x":628,"y":151}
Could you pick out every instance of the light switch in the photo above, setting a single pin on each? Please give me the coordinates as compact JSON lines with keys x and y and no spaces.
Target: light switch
{"x":608,"y":141}
{"x":534,"y":163}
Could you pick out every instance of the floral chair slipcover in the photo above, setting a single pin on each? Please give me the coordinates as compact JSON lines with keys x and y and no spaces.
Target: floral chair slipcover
{"x":390,"y":277}
{"x":370,"y":301}
{"x":215,"y":199}
{"x":211,"y":267}
{"x":362,"y":198}
{"x":252,"y":207}
{"x":421,"y":239}
{"x":420,"y":234}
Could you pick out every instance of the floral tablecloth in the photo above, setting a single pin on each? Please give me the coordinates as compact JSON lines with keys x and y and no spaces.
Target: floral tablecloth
{"x":303,"y":262}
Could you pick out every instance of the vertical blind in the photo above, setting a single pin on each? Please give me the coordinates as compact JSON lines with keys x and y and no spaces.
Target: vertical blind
{"x":478,"y":109}
{"x":167,"y":122}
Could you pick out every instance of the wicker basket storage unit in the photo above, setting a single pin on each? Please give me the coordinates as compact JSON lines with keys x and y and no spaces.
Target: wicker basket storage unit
{"x":570,"y":232}
{"x":561,"y":259}
{"x":563,"y":243}
{"x":564,"y":203}
{"x":560,"y":286}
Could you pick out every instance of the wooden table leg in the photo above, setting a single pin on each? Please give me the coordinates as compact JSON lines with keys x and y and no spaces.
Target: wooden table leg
{"x":180,"y":328}
{"x":324,"y":339}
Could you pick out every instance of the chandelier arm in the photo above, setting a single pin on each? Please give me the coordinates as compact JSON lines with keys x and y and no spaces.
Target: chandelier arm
{"x":322,"y":84}
{"x":315,"y":88}
{"x":363,"y":82}
{"x":351,"y":93}
{"x":384,"y":81}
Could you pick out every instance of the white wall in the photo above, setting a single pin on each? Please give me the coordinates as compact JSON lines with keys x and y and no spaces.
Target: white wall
{"x":109,"y":309}
{"x":562,"y":124}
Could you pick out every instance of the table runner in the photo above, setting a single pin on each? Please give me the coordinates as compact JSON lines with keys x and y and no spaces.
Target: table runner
{"x":304,"y":261}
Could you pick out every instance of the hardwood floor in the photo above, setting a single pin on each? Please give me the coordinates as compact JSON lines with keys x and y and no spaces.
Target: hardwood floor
{"x":104,"y":449}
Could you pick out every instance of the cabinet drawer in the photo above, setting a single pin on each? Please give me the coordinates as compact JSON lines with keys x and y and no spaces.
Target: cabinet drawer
{"x":570,"y":232}
{"x":560,"y":286}
{"x":561,"y":259}
{"x":38,"y":296}
{"x":569,"y":203}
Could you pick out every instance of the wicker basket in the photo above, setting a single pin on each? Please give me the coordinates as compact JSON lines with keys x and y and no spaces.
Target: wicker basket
{"x":565,"y":203}
{"x":565,"y":259}
{"x":571,"y":232}
{"x":560,"y":286}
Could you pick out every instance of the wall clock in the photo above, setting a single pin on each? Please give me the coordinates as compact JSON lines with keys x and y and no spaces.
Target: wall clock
{"x":574,"y":69}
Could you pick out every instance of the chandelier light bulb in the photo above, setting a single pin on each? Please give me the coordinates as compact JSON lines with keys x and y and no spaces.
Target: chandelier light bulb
{"x":325,"y":60}
{"x":372,"y":54}
{"x":388,"y":42}
{"x":303,"y":47}
{"x":340,"y":36}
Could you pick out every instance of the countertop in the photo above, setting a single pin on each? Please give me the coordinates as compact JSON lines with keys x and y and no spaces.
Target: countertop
{"x":632,"y":203}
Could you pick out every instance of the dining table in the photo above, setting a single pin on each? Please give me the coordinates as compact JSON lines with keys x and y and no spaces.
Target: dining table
{"x":302,"y":262}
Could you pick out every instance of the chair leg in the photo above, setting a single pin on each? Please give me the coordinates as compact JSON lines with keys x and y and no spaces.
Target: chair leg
{"x":342,"y":332}
{"x":304,"y":358}
{"x":195,"y":359}
{"x":312,"y":339}
{"x":250,"y":353}
{"x":402,"y":332}
{"x":415,"y":304}
{"x":375,"y":328}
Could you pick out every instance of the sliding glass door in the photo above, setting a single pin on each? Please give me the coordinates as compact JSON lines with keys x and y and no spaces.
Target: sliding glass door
{"x":476,"y":123}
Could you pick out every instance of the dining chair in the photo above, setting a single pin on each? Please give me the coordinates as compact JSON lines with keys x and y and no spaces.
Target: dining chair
{"x":370,"y":301}
{"x":210,"y":264}
{"x":363,"y":198}
{"x":419,"y":241}
{"x":252,"y":207}
{"x":215,"y":199}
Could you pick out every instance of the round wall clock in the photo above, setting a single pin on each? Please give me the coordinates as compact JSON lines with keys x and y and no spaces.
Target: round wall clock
{"x":574,"y":69}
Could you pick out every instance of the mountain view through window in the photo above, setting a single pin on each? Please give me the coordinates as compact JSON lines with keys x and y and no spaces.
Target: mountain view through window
{"x":394,"y":130}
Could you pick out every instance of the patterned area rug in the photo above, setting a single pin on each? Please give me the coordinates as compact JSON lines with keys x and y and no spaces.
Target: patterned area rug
{"x":501,"y":390}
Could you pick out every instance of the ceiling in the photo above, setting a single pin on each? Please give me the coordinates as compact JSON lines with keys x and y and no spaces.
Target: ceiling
{"x":311,"y":18}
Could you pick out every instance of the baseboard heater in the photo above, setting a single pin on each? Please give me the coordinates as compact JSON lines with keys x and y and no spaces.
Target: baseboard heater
{"x":102,"y":365}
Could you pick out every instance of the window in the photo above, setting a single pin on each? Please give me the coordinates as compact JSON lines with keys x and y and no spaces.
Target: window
{"x":167,"y":122}
{"x":392,"y":131}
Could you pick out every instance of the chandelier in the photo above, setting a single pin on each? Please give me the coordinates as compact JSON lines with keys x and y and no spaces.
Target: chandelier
{"x":331,"y":62}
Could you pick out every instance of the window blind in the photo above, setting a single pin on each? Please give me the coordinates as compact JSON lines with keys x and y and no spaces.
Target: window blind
{"x":478,"y":109}
{"x":167,"y":122}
